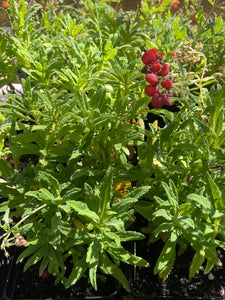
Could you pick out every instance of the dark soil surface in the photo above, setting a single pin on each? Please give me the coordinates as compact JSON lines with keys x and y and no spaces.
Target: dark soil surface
{"x":178,"y":284}
{"x":29,"y":285}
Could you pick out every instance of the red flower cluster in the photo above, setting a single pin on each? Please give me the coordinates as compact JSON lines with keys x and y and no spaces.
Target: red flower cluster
{"x":156,"y":70}
{"x":175,"y":4}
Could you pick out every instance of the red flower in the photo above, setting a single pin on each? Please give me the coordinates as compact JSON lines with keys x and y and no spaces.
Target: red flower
{"x":151,"y":90}
{"x":165,"y":70}
{"x":175,"y":4}
{"x":152,"y":79}
{"x":45,"y":275}
{"x":167,"y":83}
{"x":148,"y":57}
{"x":155,"y":67}
{"x":158,"y":100}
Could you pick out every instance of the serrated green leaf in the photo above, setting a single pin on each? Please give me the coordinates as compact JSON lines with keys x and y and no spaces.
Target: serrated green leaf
{"x":212,"y":260}
{"x":137,"y":192}
{"x":93,"y":251}
{"x":214,"y":193}
{"x":49,"y":182}
{"x":120,"y":253}
{"x":105,"y":192}
{"x":200,"y":200}
{"x":83,"y":210}
{"x":162,"y":213}
{"x":41,"y":252}
{"x":130,"y":236}
{"x":4,"y":206}
{"x":42,"y":195}
{"x":167,"y":253}
{"x":79,"y":268}
{"x":196,"y":263}
{"x":108,"y":267}
{"x":124,"y":205}
{"x":162,"y":228}
{"x":92,"y":275}
{"x":5,"y":170}
{"x":165,"y":272}
{"x":44,"y":263}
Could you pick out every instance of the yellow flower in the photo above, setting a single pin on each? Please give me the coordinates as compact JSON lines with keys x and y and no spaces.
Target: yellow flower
{"x":123,"y":188}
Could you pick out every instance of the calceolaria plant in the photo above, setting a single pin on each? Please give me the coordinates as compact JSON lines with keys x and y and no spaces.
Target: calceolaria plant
{"x":67,"y":141}
{"x":79,"y":152}
{"x":64,"y":223}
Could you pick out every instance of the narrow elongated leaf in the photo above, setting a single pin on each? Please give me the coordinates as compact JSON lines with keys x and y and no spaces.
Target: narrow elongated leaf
{"x":164,"y":273}
{"x":83,"y":210}
{"x":44,"y":263}
{"x":138,"y":192}
{"x":212,"y":260}
{"x":41,"y":252}
{"x":124,"y":205}
{"x":197,"y":261}
{"x":79,"y":268}
{"x":162,"y":213}
{"x":5,"y":170}
{"x":171,"y":194}
{"x":4,"y":206}
{"x":108,"y":267}
{"x":105,"y":192}
{"x":220,"y":140}
{"x":130,"y":236}
{"x":162,"y":228}
{"x":200,"y":201}
{"x":92,"y":275}
{"x":49,"y":182}
{"x":120,"y":253}
{"x":114,"y":237}
{"x":214,"y":193}
{"x":85,"y":172}
{"x":167,"y":253}
{"x":93,"y":251}
{"x":42,"y":195}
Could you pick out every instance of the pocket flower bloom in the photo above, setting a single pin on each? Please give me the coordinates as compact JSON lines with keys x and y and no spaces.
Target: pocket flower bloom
{"x":155,"y":67}
{"x":167,"y":84}
{"x":148,"y":57}
{"x":152,"y":79}
{"x":164,"y":70}
{"x":151,"y":90}
{"x":158,"y":100}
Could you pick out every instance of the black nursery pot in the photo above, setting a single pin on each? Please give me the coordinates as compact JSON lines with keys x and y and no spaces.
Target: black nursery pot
{"x":28,"y":285}
{"x":6,"y":266}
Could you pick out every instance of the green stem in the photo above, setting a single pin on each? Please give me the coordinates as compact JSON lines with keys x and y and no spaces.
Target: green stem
{"x":22,"y":220}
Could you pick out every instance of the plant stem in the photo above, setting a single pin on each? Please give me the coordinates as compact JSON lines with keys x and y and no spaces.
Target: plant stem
{"x":22,"y":220}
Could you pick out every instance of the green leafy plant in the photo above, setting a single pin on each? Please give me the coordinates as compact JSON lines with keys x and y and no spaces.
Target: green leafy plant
{"x":69,"y":137}
{"x":80,"y":128}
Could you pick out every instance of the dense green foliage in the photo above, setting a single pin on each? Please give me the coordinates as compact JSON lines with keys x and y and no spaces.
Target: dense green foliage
{"x":80,"y":129}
